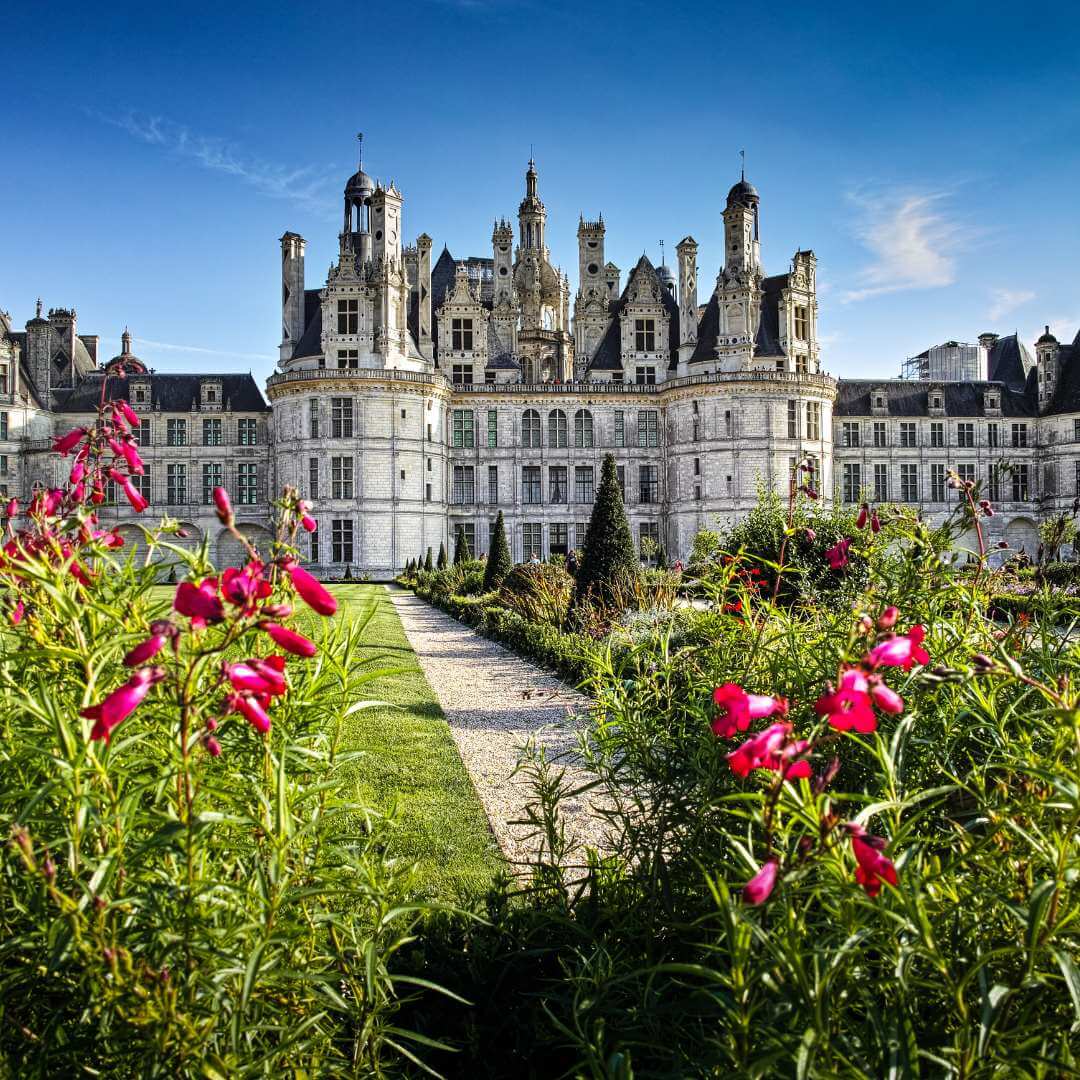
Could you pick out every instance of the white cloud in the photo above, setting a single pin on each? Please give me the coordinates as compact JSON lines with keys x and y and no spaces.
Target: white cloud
{"x":1063,"y":326}
{"x":141,"y":344}
{"x":912,"y":241}
{"x":308,"y":187}
{"x":1005,"y":300}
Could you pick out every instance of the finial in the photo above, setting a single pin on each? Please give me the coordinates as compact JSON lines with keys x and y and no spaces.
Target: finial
{"x":1048,"y":328}
{"x":662,"y":263}
{"x":742,"y":167}
{"x":38,"y":308}
{"x":360,"y":151}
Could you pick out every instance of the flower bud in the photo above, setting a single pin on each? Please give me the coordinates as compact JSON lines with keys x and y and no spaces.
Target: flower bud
{"x":887,"y":619}
{"x":860,"y":521}
{"x":224,"y":506}
{"x":213,"y":747}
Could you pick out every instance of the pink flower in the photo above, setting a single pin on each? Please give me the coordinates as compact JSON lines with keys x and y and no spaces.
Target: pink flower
{"x":64,"y":444}
{"x":860,"y":521}
{"x":17,"y":613}
{"x":873,"y":866}
{"x":244,"y":586}
{"x":290,"y":640}
{"x":254,"y":677}
{"x":849,"y":706}
{"x":758,"y":889}
{"x":213,"y":747}
{"x":147,"y":650}
{"x":129,"y":413}
{"x":131,"y":456}
{"x":885,"y":698}
{"x":252,"y":710}
{"x":199,"y":602}
{"x":875,"y":522}
{"x":12,"y":508}
{"x":887,"y":619}
{"x":901,"y":650}
{"x":311,"y":592}
{"x":121,"y":703}
{"x":224,"y":506}
{"x":811,"y":535}
{"x":78,"y":471}
{"x":771,"y":749}
{"x":309,"y":523}
{"x":838,"y":554}
{"x":134,"y":496}
{"x":738,"y":708}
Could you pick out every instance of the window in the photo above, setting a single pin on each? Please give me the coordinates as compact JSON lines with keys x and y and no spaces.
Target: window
{"x":583,"y":484}
{"x":463,"y":428}
{"x":142,"y":484}
{"x":802,"y":323}
{"x":908,"y":435}
{"x":247,"y":432}
{"x":792,"y":419}
{"x":211,"y":432}
{"x":462,"y":374}
{"x":697,"y":466}
{"x":1050,"y":487}
{"x":1019,"y":438}
{"x":558,"y":539}
{"x":851,"y":433}
{"x":617,"y":376}
{"x":247,"y":483}
{"x":176,"y":484}
{"x":581,"y":531}
{"x":427,"y":492}
{"x":531,"y":540}
{"x":645,"y":335}
{"x":966,"y":471}
{"x":802,"y":363}
{"x":583,"y":428}
{"x":461,"y":335}
{"x":176,"y":433}
{"x":493,"y":428}
{"x":3,"y":379}
{"x":813,"y":419}
{"x":557,"y":428}
{"x":341,"y":418}
{"x":965,"y":435}
{"x":909,"y":483}
{"x":852,"y":481}
{"x":464,"y":486}
{"x":648,"y":484}
{"x":348,"y":316}
{"x":620,"y":475}
{"x":493,"y":484}
{"x":727,"y":423}
{"x":530,"y":484}
{"x":648,"y":427}
{"x":1076,"y":430}
{"x":620,"y":428}
{"x":993,"y":435}
{"x":813,"y":471}
{"x":881,"y":483}
{"x":880,"y":436}
{"x":649,"y":540}
{"x":341,"y":540}
{"x":313,"y":418}
{"x":348,"y":359}
{"x":313,"y":541}
{"x":993,"y":482}
{"x":341,"y":477}
{"x":468,"y":530}
{"x":141,"y":433}
{"x":936,"y":402}
{"x":937,"y":482}
{"x":3,"y":464}
{"x":530,"y":428}
{"x":139,"y":394}
{"x":557,"y":484}
{"x":313,"y":478}
{"x":645,"y":376}
{"x":212,"y":477}
{"x":1020,"y":488}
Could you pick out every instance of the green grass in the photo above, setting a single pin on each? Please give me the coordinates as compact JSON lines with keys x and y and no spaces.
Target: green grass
{"x":411,"y":763}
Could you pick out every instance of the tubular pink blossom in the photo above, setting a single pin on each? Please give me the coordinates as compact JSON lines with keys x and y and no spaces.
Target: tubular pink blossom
{"x":129,"y":413}
{"x":115,"y":447}
{"x":309,"y":523}
{"x":875,"y":522}
{"x":860,"y":522}
{"x":290,"y":640}
{"x":253,"y":712}
{"x":848,"y":707}
{"x":772,"y":749}
{"x":902,"y":650}
{"x":886,"y":698}
{"x":224,"y":505}
{"x":837,"y":555}
{"x":213,"y":747}
{"x":311,"y":592}
{"x":200,"y":603}
{"x":121,"y":703}
{"x":64,"y":444}
{"x":17,"y":613}
{"x":887,"y":619}
{"x":131,"y":456}
{"x":78,"y":471}
{"x":12,"y":508}
{"x":758,"y":889}
{"x":738,"y":708}
{"x":134,"y":496}
{"x":873,"y":866}
{"x":147,"y":650}
{"x":255,"y":677}
{"x":811,"y":535}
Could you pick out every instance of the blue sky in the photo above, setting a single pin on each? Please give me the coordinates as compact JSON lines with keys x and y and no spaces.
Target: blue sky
{"x":929,"y":154}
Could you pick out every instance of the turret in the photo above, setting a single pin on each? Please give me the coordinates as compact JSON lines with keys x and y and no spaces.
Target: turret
{"x":590,"y":236}
{"x":292,"y":293}
{"x":742,"y":249}
{"x":502,"y":251}
{"x":423,"y":289}
{"x":1046,"y":358}
{"x":356,"y":233}
{"x":686,"y":249}
{"x":532,"y":216}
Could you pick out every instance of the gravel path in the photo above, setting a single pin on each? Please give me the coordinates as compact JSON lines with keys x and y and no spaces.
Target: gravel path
{"x":495,"y":703}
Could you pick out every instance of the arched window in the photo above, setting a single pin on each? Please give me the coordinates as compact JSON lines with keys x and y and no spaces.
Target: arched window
{"x":530,"y":428}
{"x":583,"y":431}
{"x":556,"y":428}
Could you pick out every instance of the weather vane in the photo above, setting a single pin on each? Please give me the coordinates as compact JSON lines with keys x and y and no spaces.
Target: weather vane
{"x":360,"y":152}
{"x":742,"y":167}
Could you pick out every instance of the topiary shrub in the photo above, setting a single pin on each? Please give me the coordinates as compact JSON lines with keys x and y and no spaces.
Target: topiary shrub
{"x":498,"y":560}
{"x":462,"y":553}
{"x":609,"y":555}
{"x":442,"y":562}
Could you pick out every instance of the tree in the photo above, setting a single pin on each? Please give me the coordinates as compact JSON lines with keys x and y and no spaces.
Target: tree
{"x":427,"y":562}
{"x":609,"y":547}
{"x":461,"y":547}
{"x":442,"y":561}
{"x":499,"y":562}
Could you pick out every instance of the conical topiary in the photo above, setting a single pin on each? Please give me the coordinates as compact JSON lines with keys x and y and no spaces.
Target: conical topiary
{"x":461,"y":547}
{"x":609,"y":546}
{"x":499,"y":562}
{"x":427,"y":562}
{"x":441,"y":564}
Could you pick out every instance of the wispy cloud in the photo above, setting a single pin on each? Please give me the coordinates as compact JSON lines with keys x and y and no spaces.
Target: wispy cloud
{"x":142,"y":345}
{"x":912,"y":240}
{"x":308,"y":187}
{"x":1063,"y":326}
{"x":1002,"y":301}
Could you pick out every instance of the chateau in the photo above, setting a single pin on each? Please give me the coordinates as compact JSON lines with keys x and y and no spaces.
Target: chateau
{"x":413,"y":397}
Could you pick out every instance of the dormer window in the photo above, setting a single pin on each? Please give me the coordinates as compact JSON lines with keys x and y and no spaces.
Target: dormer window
{"x":936,"y":401}
{"x":140,"y":393}
{"x":211,"y":395}
{"x":645,"y":335}
{"x":879,"y":402}
{"x":461,"y":334}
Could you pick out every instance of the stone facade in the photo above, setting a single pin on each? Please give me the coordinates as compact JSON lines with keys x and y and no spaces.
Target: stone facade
{"x":415,"y":397}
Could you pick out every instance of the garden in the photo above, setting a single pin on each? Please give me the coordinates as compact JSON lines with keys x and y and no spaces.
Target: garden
{"x":835,"y":755}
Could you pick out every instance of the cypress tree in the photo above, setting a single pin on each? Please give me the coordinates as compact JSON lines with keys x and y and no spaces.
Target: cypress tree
{"x":441,"y":563}
{"x":609,"y":547}
{"x":498,"y":561}
{"x":427,"y":562}
{"x":461,"y":547}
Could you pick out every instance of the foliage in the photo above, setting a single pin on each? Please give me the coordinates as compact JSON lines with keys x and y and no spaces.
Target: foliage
{"x":442,"y":562}
{"x":462,"y":553}
{"x":539,"y":592}
{"x":609,"y":547}
{"x":498,"y":559}
{"x":1055,"y":532}
{"x":428,"y":567}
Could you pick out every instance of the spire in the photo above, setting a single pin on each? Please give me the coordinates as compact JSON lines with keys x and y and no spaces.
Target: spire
{"x":37,"y":314}
{"x":360,"y":152}
{"x":662,"y":263}
{"x":125,"y":340}
{"x":742,"y":166}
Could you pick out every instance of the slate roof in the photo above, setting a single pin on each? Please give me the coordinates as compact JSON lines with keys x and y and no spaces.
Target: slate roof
{"x":910,"y":397}
{"x":1067,"y":393}
{"x":767,"y":342}
{"x":310,"y":343}
{"x":504,"y":361}
{"x":708,"y":331}
{"x":170,"y":393}
{"x":1009,"y":362}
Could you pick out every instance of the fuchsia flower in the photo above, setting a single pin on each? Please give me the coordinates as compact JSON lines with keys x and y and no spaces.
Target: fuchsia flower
{"x":311,"y":592}
{"x":811,"y":535}
{"x":17,"y":613}
{"x":213,"y":747}
{"x":12,"y":508}
{"x":199,"y":602}
{"x":887,"y":619}
{"x":147,"y":650}
{"x":860,"y":521}
{"x":874,"y":867}
{"x":901,"y":650}
{"x":838,"y":554}
{"x":131,"y":456}
{"x":64,"y":444}
{"x":244,"y":587}
{"x":290,"y":640}
{"x":252,"y":710}
{"x":257,"y":677}
{"x":78,"y":471}
{"x":738,"y":708}
{"x":121,"y":703}
{"x":875,"y":522}
{"x":758,"y":889}
{"x":848,"y":707}
{"x":223,"y":504}
{"x":134,"y":496}
{"x":771,"y":749}
{"x":129,"y":413}
{"x":309,"y":523}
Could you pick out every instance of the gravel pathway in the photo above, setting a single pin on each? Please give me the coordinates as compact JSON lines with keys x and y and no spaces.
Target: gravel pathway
{"x":495,"y":703}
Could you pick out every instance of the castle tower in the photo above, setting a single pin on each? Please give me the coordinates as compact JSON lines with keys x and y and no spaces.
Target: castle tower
{"x":686,"y":249}
{"x":590,"y":236}
{"x":423,"y":290}
{"x":1046,"y":358}
{"x":742,"y":248}
{"x":532,"y":216}
{"x":591,"y":303}
{"x":356,"y":232}
{"x":292,"y":292}
{"x":388,"y":271}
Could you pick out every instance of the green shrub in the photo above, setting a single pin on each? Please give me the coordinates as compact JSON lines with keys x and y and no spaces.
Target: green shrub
{"x":539,"y":592}
{"x":609,"y":555}
{"x":462,"y":554}
{"x":498,"y":560}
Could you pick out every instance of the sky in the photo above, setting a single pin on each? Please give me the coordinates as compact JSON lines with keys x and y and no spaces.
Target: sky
{"x":928,"y":153}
